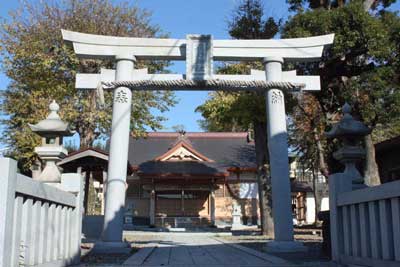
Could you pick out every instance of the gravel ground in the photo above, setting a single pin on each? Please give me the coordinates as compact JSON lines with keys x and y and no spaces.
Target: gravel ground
{"x":310,"y":237}
{"x":89,"y":259}
{"x":250,"y":238}
{"x":136,"y":241}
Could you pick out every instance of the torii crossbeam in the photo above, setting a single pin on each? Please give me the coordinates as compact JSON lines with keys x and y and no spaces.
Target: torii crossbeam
{"x":199,"y":52}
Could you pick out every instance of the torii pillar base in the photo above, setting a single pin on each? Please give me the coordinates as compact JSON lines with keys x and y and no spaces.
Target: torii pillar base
{"x":285,"y":247}
{"x":111,"y":248}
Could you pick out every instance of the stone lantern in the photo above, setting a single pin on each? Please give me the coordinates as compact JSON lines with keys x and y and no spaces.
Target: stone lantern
{"x":52,"y":130}
{"x":351,"y":132}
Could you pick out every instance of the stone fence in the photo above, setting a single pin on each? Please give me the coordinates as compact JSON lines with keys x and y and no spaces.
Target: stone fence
{"x":40,"y":224}
{"x":365,"y":223}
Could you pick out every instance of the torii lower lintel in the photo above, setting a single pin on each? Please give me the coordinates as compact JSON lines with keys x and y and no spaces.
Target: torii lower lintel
{"x":142,"y":80}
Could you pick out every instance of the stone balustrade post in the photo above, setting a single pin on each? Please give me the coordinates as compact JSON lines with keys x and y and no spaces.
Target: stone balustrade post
{"x":74,"y":183}
{"x":8,"y":179}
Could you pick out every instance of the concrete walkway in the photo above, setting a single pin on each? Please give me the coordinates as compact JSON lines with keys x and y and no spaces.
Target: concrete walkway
{"x":178,"y":250}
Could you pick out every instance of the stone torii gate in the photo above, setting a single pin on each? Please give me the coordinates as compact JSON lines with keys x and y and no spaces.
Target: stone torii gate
{"x":199,"y":51}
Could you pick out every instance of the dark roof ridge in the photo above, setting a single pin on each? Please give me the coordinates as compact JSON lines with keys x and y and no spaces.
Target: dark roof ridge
{"x":198,"y":134}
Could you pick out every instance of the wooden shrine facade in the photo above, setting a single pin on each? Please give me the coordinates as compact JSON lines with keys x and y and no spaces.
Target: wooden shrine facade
{"x":186,"y":179}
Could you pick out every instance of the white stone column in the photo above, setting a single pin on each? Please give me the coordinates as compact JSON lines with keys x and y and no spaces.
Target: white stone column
{"x":118,"y":157}
{"x":278,"y":159}
{"x":152,"y":209}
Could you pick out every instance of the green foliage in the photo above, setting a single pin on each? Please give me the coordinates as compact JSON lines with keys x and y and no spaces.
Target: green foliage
{"x":41,"y":68}
{"x":248,"y":22}
{"x":361,"y":68}
{"x":232,"y":111}
{"x":301,"y":5}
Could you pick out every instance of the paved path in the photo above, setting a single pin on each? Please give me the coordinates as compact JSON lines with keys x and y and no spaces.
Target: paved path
{"x":193,"y":250}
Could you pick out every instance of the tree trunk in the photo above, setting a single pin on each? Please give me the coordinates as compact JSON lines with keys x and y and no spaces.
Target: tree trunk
{"x":264,"y":182}
{"x":323,"y":166}
{"x":86,"y":138}
{"x":92,"y":197}
{"x":371,"y":171}
{"x":87,"y":131}
{"x":317,"y":196}
{"x":367,"y":4}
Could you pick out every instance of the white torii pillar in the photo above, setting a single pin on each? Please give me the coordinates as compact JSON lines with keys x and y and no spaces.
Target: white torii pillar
{"x":118,"y":158}
{"x":279,"y":162}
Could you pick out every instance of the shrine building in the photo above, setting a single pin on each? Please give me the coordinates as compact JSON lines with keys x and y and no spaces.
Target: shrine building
{"x":188,"y":180}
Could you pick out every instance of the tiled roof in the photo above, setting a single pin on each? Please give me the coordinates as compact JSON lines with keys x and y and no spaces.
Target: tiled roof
{"x":224,"y":149}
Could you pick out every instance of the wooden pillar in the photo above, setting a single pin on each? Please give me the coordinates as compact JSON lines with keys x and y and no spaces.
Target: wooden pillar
{"x":103,"y":192}
{"x":183,"y":202}
{"x":86,"y":196}
{"x":152,"y":210}
{"x":212,"y":205}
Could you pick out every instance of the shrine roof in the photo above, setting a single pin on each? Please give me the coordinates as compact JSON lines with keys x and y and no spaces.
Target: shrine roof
{"x":85,"y":157}
{"x":223,"y":150}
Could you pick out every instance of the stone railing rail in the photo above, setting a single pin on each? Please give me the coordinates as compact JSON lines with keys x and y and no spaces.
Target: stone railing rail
{"x":40,"y":224}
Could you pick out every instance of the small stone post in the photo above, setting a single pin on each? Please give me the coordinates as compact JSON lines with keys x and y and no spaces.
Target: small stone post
{"x":279,"y":162}
{"x":8,"y":178}
{"x":118,"y":158}
{"x":74,"y":183}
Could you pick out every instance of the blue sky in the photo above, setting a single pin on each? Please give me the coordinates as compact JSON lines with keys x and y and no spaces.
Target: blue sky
{"x":178,"y":18}
{"x":181,"y":17}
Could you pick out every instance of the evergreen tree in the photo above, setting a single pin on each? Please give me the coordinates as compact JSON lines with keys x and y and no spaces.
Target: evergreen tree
{"x":362,"y":68}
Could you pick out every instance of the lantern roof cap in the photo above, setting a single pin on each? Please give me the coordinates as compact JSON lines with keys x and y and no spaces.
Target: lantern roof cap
{"x":348,"y":126}
{"x":52,"y":125}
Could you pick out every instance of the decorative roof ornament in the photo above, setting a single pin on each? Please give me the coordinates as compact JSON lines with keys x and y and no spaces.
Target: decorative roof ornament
{"x":181,"y":138}
{"x":350,"y":131}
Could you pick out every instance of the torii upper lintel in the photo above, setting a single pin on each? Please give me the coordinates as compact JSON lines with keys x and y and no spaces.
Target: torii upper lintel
{"x":294,"y":49}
